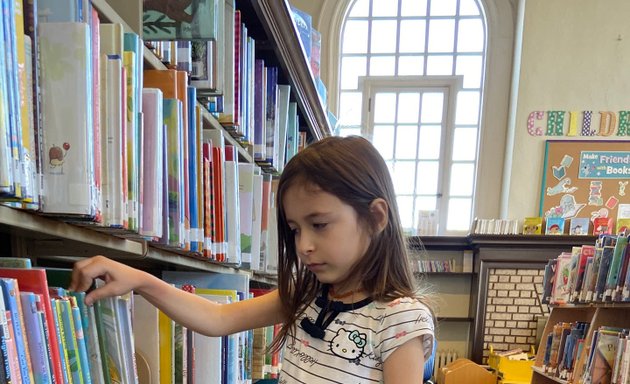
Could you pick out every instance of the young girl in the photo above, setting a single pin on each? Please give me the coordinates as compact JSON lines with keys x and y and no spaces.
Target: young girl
{"x":346,"y":296}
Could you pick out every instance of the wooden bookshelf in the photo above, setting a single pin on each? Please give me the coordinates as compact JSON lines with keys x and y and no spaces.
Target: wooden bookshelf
{"x":597,"y":314}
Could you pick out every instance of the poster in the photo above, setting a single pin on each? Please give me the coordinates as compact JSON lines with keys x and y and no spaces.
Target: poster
{"x":585,"y":178}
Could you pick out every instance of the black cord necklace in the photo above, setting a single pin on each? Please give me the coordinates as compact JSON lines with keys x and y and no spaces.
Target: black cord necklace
{"x":333,"y":308}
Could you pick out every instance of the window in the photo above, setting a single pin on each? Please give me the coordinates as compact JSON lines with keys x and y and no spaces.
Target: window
{"x":428,"y":45}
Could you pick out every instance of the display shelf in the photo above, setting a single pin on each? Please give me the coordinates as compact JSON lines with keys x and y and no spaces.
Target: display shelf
{"x":542,"y":377}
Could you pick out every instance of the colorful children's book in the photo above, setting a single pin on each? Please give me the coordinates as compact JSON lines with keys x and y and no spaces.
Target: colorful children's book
{"x":579,"y":226}
{"x":603,"y":226}
{"x":532,"y":226}
{"x":554,"y":226}
{"x":561,"y":289}
{"x":163,"y":20}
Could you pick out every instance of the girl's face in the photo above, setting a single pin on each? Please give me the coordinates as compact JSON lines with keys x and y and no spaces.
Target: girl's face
{"x":329,"y":239}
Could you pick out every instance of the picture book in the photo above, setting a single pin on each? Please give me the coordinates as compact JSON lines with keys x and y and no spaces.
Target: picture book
{"x":604,"y":355}
{"x":532,"y":226}
{"x":168,"y":20}
{"x":554,"y":226}
{"x":560,"y":292}
{"x":579,"y":226}
{"x":603,"y":226}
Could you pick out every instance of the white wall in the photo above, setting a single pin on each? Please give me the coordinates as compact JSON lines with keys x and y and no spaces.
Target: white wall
{"x":575,"y":56}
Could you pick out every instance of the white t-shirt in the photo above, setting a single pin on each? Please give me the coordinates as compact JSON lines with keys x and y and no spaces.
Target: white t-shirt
{"x":356,"y":343}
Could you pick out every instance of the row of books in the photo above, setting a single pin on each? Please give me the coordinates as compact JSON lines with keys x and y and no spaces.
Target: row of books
{"x":49,"y":335}
{"x":606,"y":358}
{"x":590,"y":273}
{"x":126,"y":150}
{"x":435,"y":266}
{"x":578,"y":226}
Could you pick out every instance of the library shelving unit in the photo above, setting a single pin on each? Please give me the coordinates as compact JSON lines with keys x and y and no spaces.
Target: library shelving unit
{"x":50,"y":241}
{"x":465,"y":295}
{"x":597,"y":314}
{"x":454,"y":290}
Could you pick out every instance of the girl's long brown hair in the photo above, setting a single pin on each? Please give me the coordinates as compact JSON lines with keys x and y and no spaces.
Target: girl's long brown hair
{"x":351,"y":169}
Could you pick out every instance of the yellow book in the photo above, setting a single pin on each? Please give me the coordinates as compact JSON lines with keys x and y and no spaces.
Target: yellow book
{"x":166,"y":327}
{"x":62,"y":340}
{"x":133,"y":185}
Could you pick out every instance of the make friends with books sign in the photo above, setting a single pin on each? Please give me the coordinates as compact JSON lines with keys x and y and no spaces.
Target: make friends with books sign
{"x":585,"y":179}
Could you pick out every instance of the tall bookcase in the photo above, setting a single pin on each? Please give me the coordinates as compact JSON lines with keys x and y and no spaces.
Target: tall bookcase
{"x":50,"y":241}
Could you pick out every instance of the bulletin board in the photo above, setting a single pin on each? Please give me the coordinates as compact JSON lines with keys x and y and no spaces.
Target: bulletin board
{"x":585,"y":178}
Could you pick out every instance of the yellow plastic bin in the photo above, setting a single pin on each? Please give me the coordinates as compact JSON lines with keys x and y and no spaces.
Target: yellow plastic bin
{"x":511,"y":371}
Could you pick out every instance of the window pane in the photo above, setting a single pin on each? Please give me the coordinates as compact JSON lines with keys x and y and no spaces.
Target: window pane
{"x":360,"y":8}
{"x":412,"y":36}
{"x":430,"y":142}
{"x":426,"y":203}
{"x":354,"y":36}
{"x":406,"y":140}
{"x":443,"y":8}
{"x":347,"y":131}
{"x":468,"y":8}
{"x":441,"y":35}
{"x":427,"y":178}
{"x":432,"y":107}
{"x":465,"y":144}
{"x":470,"y":68}
{"x":382,"y":66}
{"x":405,"y":208}
{"x":458,"y":214}
{"x":384,"y":8}
{"x":351,"y":69}
{"x":383,"y":140}
{"x":462,"y":179}
{"x":350,"y":108}
{"x":413,"y":8}
{"x":408,"y":107}
{"x":410,"y":65}
{"x":404,"y":171}
{"x":470,"y":36}
{"x":467,"y":108}
{"x":440,"y":65}
{"x":384,"y":108}
{"x":383,"y":36}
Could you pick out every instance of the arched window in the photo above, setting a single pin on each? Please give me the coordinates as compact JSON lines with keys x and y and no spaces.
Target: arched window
{"x":411,"y":80}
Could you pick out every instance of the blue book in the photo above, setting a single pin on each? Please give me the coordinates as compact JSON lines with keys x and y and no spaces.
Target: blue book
{"x":37,"y":342}
{"x":80,"y":334}
{"x":196,"y":233}
{"x":11,"y":293}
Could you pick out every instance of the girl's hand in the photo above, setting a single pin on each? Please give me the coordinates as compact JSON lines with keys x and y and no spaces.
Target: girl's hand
{"x":119,"y":278}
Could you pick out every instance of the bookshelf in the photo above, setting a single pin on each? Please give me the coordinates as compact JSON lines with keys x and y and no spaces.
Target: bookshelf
{"x":454,"y":290}
{"x":53,"y":241}
{"x":597,"y":314}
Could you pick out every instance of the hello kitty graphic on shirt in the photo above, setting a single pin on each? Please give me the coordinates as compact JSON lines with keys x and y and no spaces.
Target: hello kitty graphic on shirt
{"x":348,"y":345}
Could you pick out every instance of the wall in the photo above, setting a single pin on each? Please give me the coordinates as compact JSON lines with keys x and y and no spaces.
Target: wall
{"x":574,"y":57}
{"x":512,"y":309}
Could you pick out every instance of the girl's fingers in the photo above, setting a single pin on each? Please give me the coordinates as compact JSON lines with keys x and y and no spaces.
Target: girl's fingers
{"x":85,"y":271}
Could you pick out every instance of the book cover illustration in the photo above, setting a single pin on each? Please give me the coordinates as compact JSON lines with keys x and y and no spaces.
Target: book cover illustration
{"x":554,"y":226}
{"x":532,"y":226}
{"x":579,"y":226}
{"x":180,"y":19}
{"x":561,"y":289}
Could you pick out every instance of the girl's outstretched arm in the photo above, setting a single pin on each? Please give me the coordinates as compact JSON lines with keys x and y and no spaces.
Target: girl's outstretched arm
{"x":405,"y":364}
{"x":196,"y":313}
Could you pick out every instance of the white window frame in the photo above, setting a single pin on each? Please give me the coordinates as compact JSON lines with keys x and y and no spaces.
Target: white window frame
{"x":369,"y":85}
